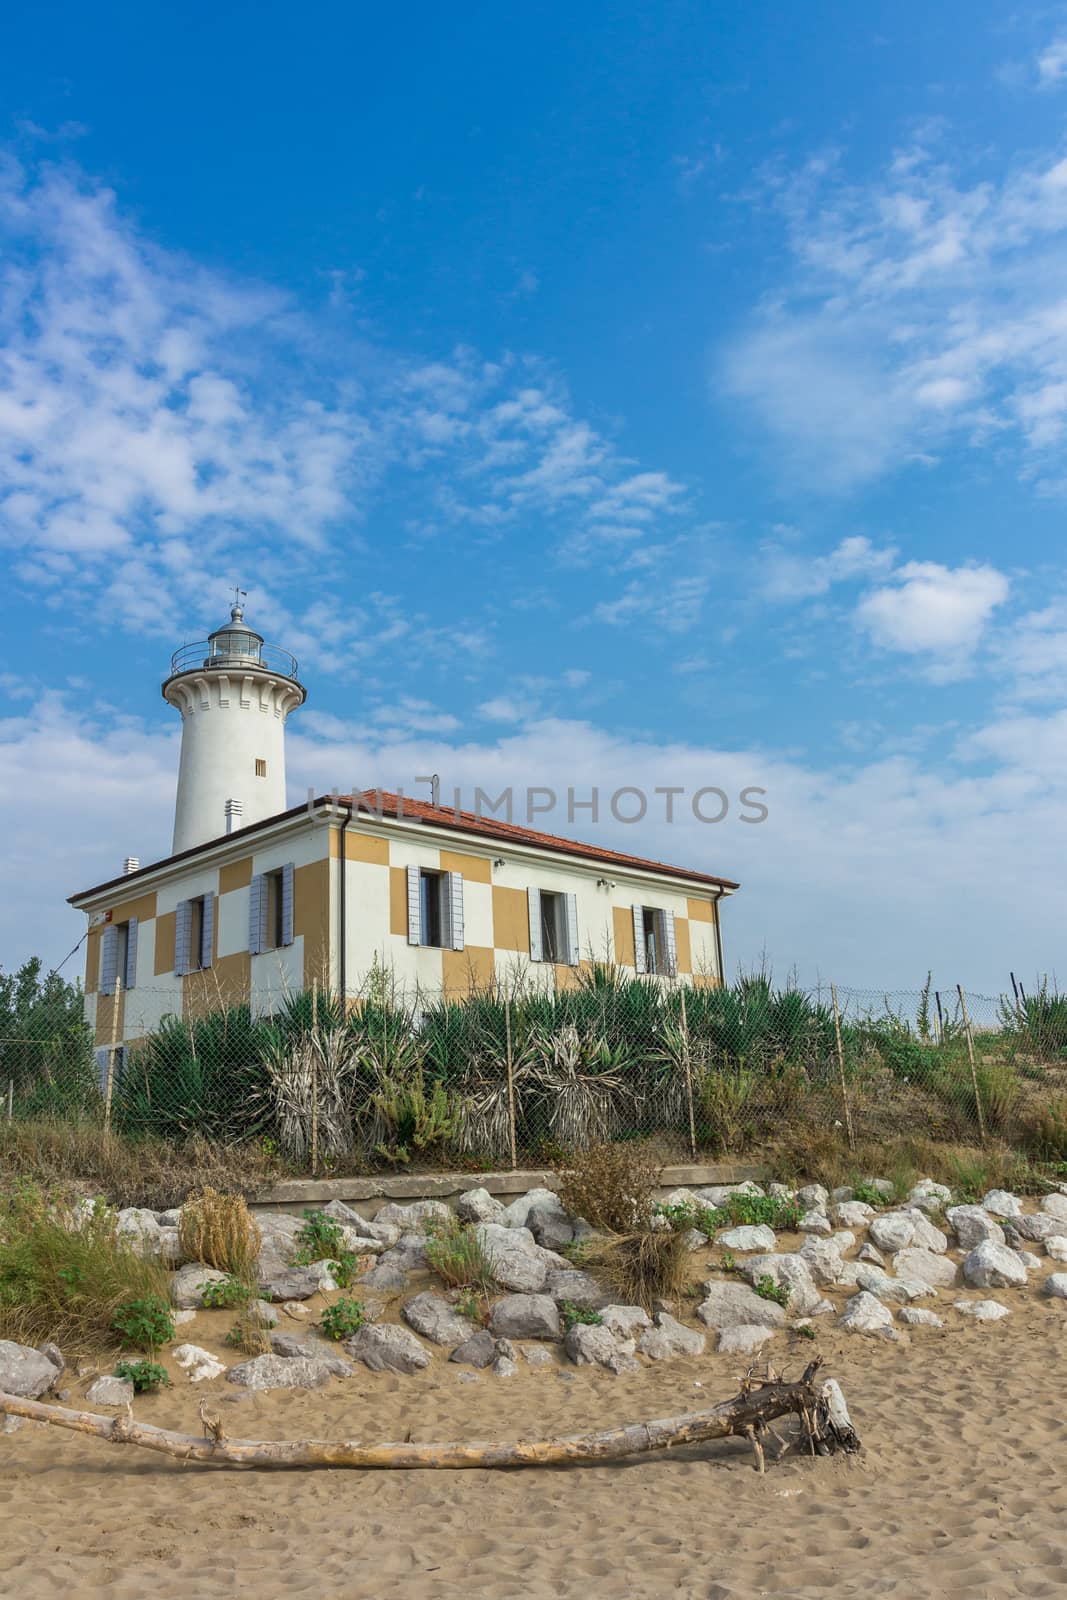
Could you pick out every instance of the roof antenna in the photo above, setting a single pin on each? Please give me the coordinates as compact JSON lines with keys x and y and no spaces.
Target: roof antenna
{"x":435,"y":788}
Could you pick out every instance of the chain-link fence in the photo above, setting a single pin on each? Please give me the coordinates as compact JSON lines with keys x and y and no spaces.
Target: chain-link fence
{"x":496,"y":1079}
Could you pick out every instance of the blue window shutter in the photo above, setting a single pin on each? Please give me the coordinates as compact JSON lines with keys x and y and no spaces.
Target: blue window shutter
{"x":109,"y":959}
{"x":287,"y":903}
{"x":454,"y":891}
{"x":670,"y":950}
{"x":129,"y":977}
{"x":207,"y":936}
{"x":537,"y":946}
{"x":101,"y":1068}
{"x":183,"y":935}
{"x":414,"y":906}
{"x":639,"y":939}
{"x":570,"y":903}
{"x":257,"y":914}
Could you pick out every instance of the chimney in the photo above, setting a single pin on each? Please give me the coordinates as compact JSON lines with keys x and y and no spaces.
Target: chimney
{"x":234,"y":815}
{"x":131,"y":864}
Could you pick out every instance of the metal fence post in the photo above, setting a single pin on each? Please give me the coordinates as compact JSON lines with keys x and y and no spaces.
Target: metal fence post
{"x":688,"y":1077}
{"x":849,"y":1130}
{"x":10,"y":1098}
{"x":511,"y":1082}
{"x":115,"y":1002}
{"x":974,"y":1069}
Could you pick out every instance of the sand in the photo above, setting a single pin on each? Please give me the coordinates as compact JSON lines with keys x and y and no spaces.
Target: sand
{"x":959,"y":1490}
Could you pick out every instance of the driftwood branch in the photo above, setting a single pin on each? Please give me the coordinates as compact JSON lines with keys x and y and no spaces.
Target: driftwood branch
{"x":820,"y":1407}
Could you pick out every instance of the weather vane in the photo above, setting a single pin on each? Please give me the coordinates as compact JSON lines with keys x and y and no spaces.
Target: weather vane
{"x":239,"y":594}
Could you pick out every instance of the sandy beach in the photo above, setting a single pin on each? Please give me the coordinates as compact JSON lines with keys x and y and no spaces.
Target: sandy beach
{"x":958,"y":1491}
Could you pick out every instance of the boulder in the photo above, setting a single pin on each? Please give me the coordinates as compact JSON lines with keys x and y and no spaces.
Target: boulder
{"x":198,"y":1363}
{"x":25,"y":1372}
{"x":744,"y":1338}
{"x":537,"y":1355}
{"x":883,"y":1187}
{"x":279,"y":1240}
{"x":505,"y":1367}
{"x":813,"y":1197}
{"x":625,"y":1321}
{"x":387,"y":1277}
{"x":823,"y":1258}
{"x":982,"y":1310}
{"x":1056,"y":1247}
{"x":343,"y":1214}
{"x":1056,"y":1285}
{"x":842,"y":1193}
{"x":919,"y":1317}
{"x":387,"y":1347}
{"x":478,"y":1205}
{"x":993,"y":1266}
{"x":669,"y":1338}
{"x":54,"y":1354}
{"x":870,"y":1252}
{"x":926,"y":1266}
{"x":853,"y":1214}
{"x":999,"y":1203}
{"x":894,"y":1230}
{"x":432,"y":1316}
{"x":480,"y":1350}
{"x":293,"y":1283}
{"x":927,"y":1189}
{"x":140,"y":1229}
{"x":973,"y":1225}
{"x":758,"y":1237}
{"x":735,"y":1305}
{"x":409,"y":1253}
{"x":1037,"y":1227}
{"x":792,"y":1271}
{"x":592,"y":1346}
{"x":843,"y":1238}
{"x":815,"y":1222}
{"x":926,"y":1235}
{"x":580,"y":1288}
{"x":514,"y":1256}
{"x":695,"y":1239}
{"x":865,"y":1314}
{"x":171,"y":1218}
{"x":525,"y":1316}
{"x":187,"y":1285}
{"x":288,"y":1372}
{"x":780,"y":1191}
{"x":550,"y":1226}
{"x":410,"y":1217}
{"x":1031,"y":1262}
{"x":516,"y":1214}
{"x":1055,"y":1205}
{"x":110,"y":1391}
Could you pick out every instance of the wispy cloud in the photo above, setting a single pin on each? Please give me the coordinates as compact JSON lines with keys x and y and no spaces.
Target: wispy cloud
{"x":934,"y":612}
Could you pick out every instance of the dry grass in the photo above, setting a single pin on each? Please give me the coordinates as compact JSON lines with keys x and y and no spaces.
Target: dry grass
{"x":64,"y":1275}
{"x":130,"y":1172}
{"x":218,"y":1229}
{"x":641,"y":1267}
{"x":612,"y":1186}
{"x":458,"y":1256}
{"x":822,"y":1155}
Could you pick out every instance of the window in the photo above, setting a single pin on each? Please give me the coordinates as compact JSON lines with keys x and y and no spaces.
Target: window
{"x":435,"y":908}
{"x":118,"y":956}
{"x":270,"y":910}
{"x":654,"y":945}
{"x":553,"y":926}
{"x":199,"y":954}
{"x":261,"y":768}
{"x":194,"y":934}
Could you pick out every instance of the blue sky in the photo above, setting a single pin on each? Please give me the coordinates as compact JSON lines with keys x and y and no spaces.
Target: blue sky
{"x":667,"y":396}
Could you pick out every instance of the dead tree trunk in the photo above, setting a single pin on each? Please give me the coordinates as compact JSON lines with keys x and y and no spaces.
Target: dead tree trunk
{"x":819,"y":1406}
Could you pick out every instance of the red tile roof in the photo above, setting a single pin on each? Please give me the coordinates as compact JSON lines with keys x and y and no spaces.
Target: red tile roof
{"x":381,"y":802}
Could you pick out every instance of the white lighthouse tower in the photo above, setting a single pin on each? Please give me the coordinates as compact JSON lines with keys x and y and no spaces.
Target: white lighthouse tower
{"x":234,"y":693}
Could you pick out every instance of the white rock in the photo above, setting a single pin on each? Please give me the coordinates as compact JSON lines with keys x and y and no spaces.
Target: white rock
{"x":625,"y":1321}
{"x":695,"y":1240}
{"x":1037,"y":1227}
{"x":409,"y":1217}
{"x":1031,"y":1262}
{"x":893,"y":1231}
{"x":588,"y":1345}
{"x":1055,"y":1205}
{"x":870,"y":1252}
{"x":732,"y":1305}
{"x":792,"y":1271}
{"x":882,"y":1187}
{"x":200,"y":1364}
{"x":823,"y":1258}
{"x":187,"y":1286}
{"x":517,"y":1261}
{"x":813,"y":1197}
{"x":1056,"y":1247}
{"x":1056,"y":1285}
{"x":668,"y":1339}
{"x":478,"y":1205}
{"x":24,"y":1371}
{"x":982,"y":1310}
{"x":926,"y":1236}
{"x":879,"y":1283}
{"x":937,"y":1271}
{"x":865,"y":1314}
{"x":973,"y":1225}
{"x":840,"y":1195}
{"x":110,"y":1391}
{"x":993,"y":1266}
{"x":744,"y":1338}
{"x":927,"y":1189}
{"x":815,"y":1222}
{"x":516,"y":1213}
{"x":919,"y":1317}
{"x":758,"y":1237}
{"x":843,"y":1238}
{"x":999,"y":1203}
{"x":853,"y":1214}
{"x":780,"y":1191}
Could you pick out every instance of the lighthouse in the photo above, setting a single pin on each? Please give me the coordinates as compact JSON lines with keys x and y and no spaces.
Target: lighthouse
{"x":235,"y":694}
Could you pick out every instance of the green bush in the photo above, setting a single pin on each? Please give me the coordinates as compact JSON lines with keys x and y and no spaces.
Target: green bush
{"x":144,"y":1375}
{"x":145,"y":1323}
{"x":570,"y":1315}
{"x":222,"y":1296}
{"x":767,"y":1289}
{"x":343,"y":1319}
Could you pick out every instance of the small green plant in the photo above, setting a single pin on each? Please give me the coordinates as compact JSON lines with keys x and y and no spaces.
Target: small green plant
{"x":805,"y":1331}
{"x":470,"y":1304}
{"x":343,"y":1319}
{"x":571,"y":1314}
{"x":727,"y":1261}
{"x":767,"y":1289}
{"x":458,"y":1255}
{"x":865,"y":1190}
{"x":144,"y":1375}
{"x":221,"y":1296}
{"x":250,"y":1333}
{"x":748,"y":1210}
{"x":318,"y":1239}
{"x":145,"y":1323}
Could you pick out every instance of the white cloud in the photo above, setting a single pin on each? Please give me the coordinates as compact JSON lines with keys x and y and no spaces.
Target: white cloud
{"x":789,"y":576}
{"x":909,"y":836}
{"x":933,"y":610}
{"x":1032,"y":656}
{"x":1052,"y":63}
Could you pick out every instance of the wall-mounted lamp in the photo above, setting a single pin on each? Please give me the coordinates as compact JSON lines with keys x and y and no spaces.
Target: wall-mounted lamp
{"x":604,"y":883}
{"x":500,"y":862}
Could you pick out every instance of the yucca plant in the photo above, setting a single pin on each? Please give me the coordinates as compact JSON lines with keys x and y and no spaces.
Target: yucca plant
{"x":310,"y":1090}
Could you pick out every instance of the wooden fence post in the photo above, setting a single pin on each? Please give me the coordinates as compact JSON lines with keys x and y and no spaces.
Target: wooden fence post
{"x":688,"y":1077}
{"x":314,"y":1078}
{"x":974,"y":1069}
{"x":116,"y":1000}
{"x":849,"y":1130}
{"x":511,"y":1082}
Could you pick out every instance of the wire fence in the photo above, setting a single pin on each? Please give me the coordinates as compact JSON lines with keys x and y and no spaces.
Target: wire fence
{"x":498,"y":1079}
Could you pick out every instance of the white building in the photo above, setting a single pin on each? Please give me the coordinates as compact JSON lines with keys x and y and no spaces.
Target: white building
{"x":258,"y":902}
